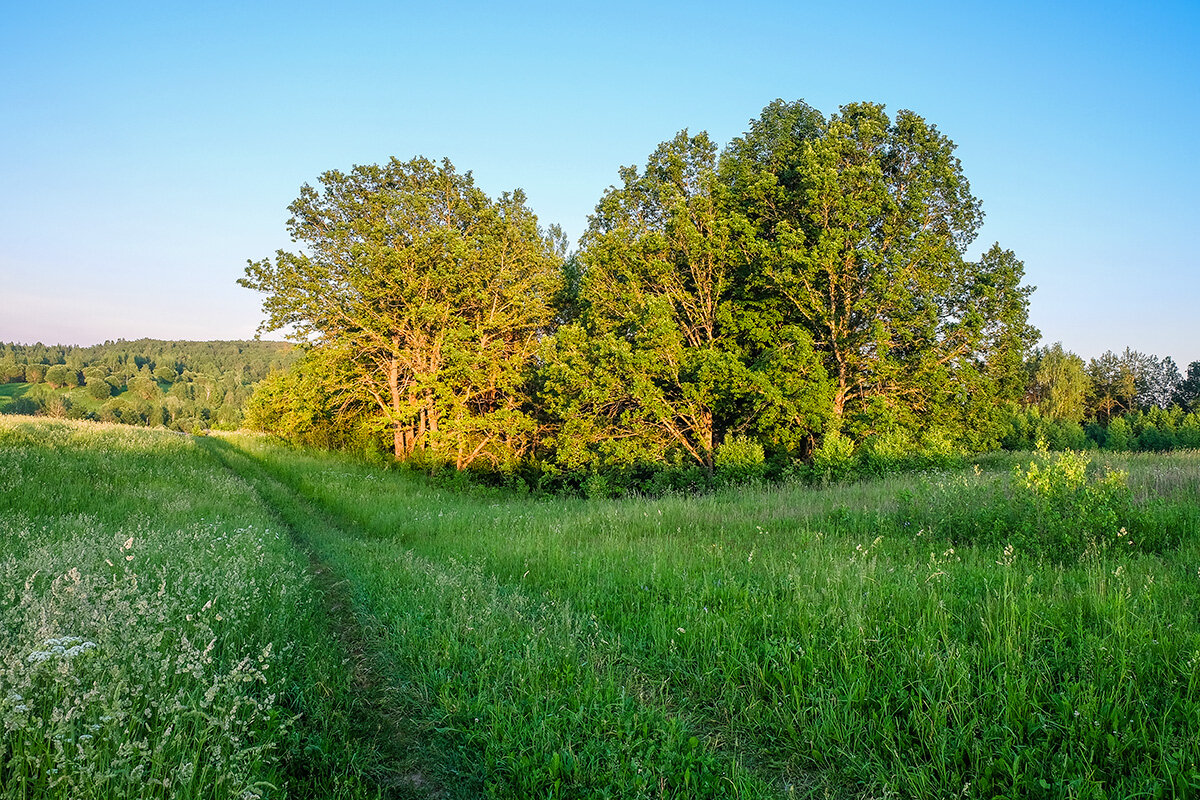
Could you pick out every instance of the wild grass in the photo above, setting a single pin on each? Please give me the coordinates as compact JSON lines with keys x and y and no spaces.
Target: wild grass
{"x":855,"y":640}
{"x":927,"y":635}
{"x":9,"y":391}
{"x":160,"y":633}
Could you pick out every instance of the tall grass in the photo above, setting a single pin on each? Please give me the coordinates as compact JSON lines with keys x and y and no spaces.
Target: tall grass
{"x":844,"y":641}
{"x":160,"y":633}
{"x":932,"y":635}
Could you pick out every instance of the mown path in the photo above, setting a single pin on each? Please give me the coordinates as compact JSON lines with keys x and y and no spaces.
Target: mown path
{"x":381,"y":723}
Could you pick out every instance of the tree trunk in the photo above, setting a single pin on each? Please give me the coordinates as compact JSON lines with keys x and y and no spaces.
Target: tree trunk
{"x":399,"y":445}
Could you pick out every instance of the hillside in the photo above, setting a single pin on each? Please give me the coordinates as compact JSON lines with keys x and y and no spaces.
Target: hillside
{"x":176,"y":384}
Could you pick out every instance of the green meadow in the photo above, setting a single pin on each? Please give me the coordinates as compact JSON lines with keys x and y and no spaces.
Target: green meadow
{"x":223,"y":616}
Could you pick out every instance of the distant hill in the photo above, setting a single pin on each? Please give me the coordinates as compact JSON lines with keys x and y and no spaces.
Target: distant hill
{"x":177,"y":384}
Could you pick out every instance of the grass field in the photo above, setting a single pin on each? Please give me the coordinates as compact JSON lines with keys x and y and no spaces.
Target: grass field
{"x":10,"y":391}
{"x":162,"y":636}
{"x":979,"y":634}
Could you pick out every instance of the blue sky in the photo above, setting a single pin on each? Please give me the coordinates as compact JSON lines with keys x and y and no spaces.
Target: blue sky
{"x":148,"y":150}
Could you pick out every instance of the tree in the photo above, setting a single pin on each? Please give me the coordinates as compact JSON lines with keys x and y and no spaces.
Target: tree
{"x":854,"y":231}
{"x":144,"y":387}
{"x":61,"y":376}
{"x":1187,"y":393}
{"x":434,"y":295}
{"x":1060,"y":384}
{"x":1131,"y":381}
{"x":1113,"y":386}
{"x":654,"y":276}
{"x":99,"y":388}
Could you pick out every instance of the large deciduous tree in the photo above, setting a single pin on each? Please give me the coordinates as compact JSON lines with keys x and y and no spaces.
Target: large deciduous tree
{"x":433,"y":296}
{"x":643,"y":370}
{"x":1131,"y":381}
{"x":854,"y":230}
{"x":1059,"y":384}
{"x":655,"y":366}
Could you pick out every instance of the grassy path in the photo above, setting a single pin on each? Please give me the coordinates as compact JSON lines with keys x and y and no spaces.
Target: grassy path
{"x":501,"y":692}
{"x":790,"y":641}
{"x":382,"y":717}
{"x":221,"y":617}
{"x":160,"y":637}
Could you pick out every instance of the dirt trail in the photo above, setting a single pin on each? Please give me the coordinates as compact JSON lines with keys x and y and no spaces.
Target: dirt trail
{"x":389,"y":738}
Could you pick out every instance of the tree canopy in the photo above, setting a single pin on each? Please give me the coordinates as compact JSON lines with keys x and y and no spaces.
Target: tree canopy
{"x":432,"y":294}
{"x":181,"y":385}
{"x":808,"y":281}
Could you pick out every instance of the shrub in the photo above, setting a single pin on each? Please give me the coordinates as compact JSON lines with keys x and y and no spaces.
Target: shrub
{"x":1189,"y":431}
{"x":739,"y":460}
{"x":1120,"y":436}
{"x":1063,"y":511}
{"x":597,"y":487}
{"x":886,"y":452}
{"x":834,"y":460}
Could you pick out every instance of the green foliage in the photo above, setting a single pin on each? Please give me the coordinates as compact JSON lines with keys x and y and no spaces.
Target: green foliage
{"x":811,"y":278}
{"x":654,"y":282}
{"x":854,"y":231}
{"x":434,"y":296}
{"x":1063,"y":511}
{"x":1132,"y":381}
{"x":206,"y":383}
{"x":1057,"y":506}
{"x":1119,"y":436}
{"x":143,"y":386}
{"x":835,"y":459}
{"x":1187,"y":394}
{"x":1028,"y":426}
{"x":1060,"y":384}
{"x":98,"y":388}
{"x":1189,"y":431}
{"x":740,"y":460}
{"x":60,"y":376}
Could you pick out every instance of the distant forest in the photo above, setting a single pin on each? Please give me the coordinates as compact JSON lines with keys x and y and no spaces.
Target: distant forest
{"x":184,"y":386}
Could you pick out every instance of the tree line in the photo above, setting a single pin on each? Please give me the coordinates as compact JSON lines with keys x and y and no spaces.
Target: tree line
{"x":798,"y":292}
{"x":179,"y":385}
{"x":1117,"y":401}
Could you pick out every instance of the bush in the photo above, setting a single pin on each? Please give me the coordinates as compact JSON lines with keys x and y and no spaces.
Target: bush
{"x":739,"y":460}
{"x":1189,"y":432}
{"x":99,"y":388}
{"x":1064,"y":511}
{"x":597,"y":487}
{"x":1057,"y":506}
{"x":1120,"y":436}
{"x":887,"y":452}
{"x":834,"y":460}
{"x":1156,"y":439}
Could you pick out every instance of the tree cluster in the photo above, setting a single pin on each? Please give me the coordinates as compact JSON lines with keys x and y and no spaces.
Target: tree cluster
{"x":179,"y":385}
{"x":1125,"y":401}
{"x":805,"y":288}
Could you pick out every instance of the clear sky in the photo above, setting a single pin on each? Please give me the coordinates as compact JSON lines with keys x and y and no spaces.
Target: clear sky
{"x":147,"y":150}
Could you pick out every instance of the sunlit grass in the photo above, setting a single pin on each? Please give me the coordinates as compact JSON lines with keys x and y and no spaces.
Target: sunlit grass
{"x":160,"y":633}
{"x":835,"y":640}
{"x":163,"y":636}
